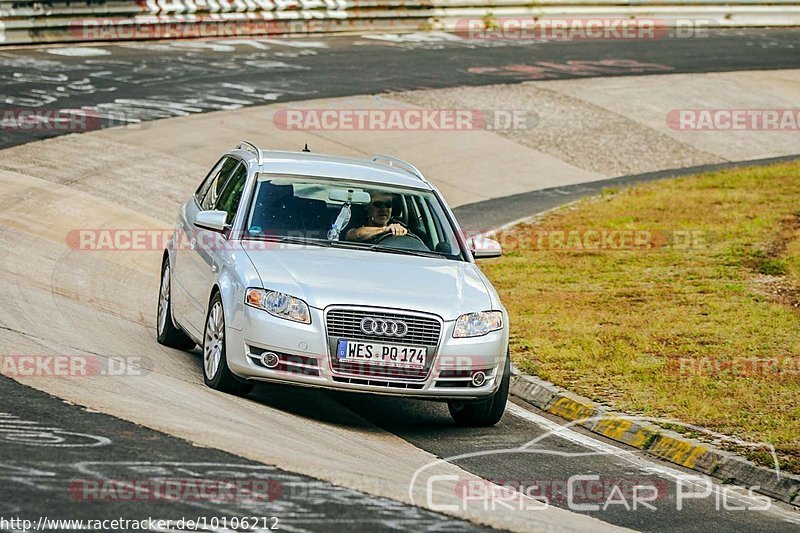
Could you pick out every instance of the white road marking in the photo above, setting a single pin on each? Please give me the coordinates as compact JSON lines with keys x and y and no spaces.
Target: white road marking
{"x":295,"y":43}
{"x":78,"y":51}
{"x":14,"y":430}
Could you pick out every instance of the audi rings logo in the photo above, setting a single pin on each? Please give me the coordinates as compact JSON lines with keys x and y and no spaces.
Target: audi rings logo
{"x":384,"y":327}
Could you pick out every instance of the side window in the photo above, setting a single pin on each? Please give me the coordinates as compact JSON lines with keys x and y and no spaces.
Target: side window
{"x":228,"y":200}
{"x":201,"y":190}
{"x":210,"y":191}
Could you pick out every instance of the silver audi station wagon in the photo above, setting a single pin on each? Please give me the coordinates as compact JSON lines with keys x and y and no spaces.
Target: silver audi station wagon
{"x":333,"y":272}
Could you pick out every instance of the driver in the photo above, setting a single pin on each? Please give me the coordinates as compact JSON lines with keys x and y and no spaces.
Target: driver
{"x":379,"y":220}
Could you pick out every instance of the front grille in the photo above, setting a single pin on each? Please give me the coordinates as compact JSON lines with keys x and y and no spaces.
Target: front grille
{"x":380,"y":371}
{"x":346,"y":324}
{"x":374,"y":383}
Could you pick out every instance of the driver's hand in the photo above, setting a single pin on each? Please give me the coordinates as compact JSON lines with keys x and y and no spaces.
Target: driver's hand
{"x":397,"y":229}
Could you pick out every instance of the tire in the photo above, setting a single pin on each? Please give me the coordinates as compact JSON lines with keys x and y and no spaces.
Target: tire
{"x":216,"y":373}
{"x":483,"y":413}
{"x":167,"y":333}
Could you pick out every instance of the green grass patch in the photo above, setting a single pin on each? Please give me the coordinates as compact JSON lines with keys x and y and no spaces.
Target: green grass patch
{"x":679,"y":316}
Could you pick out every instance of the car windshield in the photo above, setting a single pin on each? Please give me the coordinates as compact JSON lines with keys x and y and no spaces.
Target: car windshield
{"x":336,"y":213}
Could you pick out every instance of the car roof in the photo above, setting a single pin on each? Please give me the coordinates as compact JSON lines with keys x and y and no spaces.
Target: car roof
{"x":328,"y":166}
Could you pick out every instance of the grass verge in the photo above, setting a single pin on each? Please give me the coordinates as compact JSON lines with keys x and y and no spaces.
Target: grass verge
{"x":675,"y":299}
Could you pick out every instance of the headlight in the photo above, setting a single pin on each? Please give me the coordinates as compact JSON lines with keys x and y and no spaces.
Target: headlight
{"x":477,"y":324}
{"x":279,"y":304}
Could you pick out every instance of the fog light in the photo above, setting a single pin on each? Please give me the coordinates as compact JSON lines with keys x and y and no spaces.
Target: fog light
{"x":478,"y":379}
{"x":270,"y":359}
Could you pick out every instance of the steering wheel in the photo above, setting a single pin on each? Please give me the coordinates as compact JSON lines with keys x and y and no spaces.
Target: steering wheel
{"x":409,"y":241}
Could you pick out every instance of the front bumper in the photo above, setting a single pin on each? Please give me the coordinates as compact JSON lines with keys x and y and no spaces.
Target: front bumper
{"x":305,"y":359}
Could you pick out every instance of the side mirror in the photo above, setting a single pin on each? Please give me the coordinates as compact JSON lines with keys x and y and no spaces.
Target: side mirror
{"x":483,"y":248}
{"x":211,"y":220}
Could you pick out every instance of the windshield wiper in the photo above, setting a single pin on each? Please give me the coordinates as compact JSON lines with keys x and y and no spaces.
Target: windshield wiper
{"x":388,"y":249}
{"x":405,"y":251}
{"x":347,"y":244}
{"x":292,"y":240}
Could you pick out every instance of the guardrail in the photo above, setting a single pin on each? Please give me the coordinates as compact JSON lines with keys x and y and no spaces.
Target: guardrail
{"x":26,"y":21}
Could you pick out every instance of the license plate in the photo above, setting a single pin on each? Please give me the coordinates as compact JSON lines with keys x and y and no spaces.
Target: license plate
{"x":381,"y":354}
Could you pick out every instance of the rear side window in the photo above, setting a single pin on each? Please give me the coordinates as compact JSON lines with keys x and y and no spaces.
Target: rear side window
{"x":216,"y":183}
{"x":201,"y":190}
{"x":231,"y":195}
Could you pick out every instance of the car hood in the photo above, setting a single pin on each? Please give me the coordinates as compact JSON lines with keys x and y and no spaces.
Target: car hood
{"x":332,"y":276}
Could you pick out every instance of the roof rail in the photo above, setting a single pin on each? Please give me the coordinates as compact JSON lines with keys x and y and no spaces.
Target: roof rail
{"x":395,"y":162}
{"x":250,"y":147}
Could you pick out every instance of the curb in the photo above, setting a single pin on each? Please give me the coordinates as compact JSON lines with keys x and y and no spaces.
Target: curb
{"x":654,"y":440}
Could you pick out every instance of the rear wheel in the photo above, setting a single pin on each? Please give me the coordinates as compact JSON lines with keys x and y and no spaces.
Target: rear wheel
{"x":481,"y":413}
{"x":216,"y":373}
{"x":167,"y":332}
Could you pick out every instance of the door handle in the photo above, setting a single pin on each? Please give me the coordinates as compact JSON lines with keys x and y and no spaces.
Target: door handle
{"x":213,"y":267}
{"x":193,"y":243}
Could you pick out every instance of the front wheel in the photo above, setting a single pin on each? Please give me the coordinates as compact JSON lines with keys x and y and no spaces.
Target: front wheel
{"x":482,"y":413}
{"x":216,"y":373}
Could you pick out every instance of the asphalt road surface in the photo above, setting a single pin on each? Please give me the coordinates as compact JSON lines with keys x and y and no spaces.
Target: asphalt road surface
{"x":61,"y":462}
{"x":125,"y":83}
